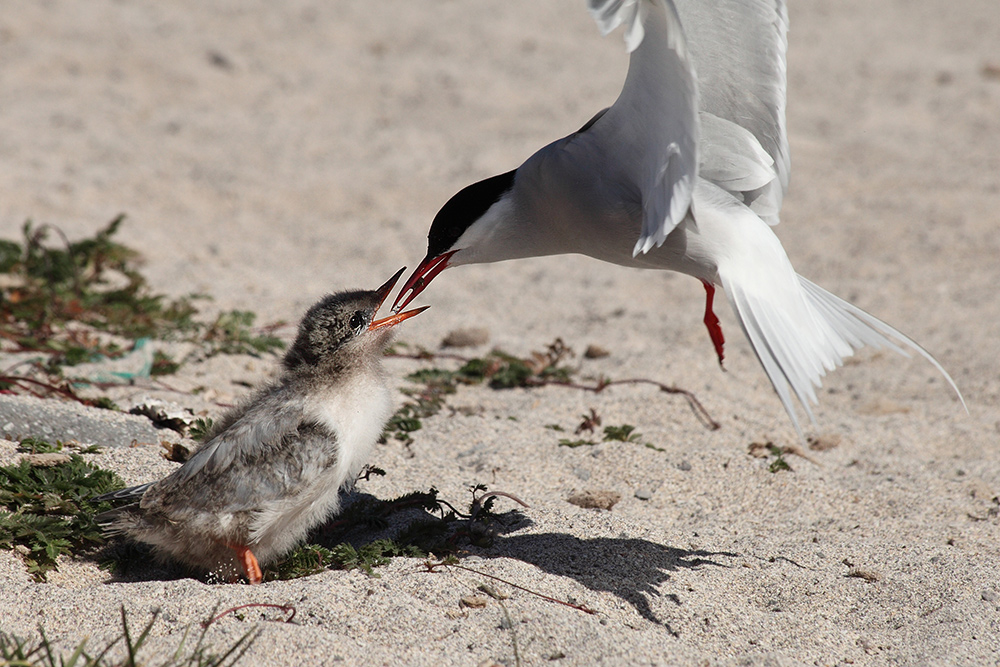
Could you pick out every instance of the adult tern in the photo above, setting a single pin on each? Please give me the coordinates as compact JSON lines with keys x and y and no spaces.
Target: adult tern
{"x":686,"y":171}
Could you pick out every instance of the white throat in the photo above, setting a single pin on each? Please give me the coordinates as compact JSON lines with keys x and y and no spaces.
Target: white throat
{"x":497,"y":235}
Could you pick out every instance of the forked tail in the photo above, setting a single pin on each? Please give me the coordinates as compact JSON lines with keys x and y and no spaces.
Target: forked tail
{"x":804,"y":331}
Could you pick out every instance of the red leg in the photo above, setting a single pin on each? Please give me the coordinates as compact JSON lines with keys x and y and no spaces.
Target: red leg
{"x":712,"y":322}
{"x":250,"y":565}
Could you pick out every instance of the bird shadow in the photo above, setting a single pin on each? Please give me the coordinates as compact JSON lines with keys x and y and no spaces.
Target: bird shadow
{"x":631,"y":569}
{"x":422,"y":520}
{"x":419,"y":519}
{"x":129,"y":562}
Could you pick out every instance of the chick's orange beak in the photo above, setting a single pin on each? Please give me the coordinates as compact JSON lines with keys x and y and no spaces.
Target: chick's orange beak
{"x":421,"y":278}
{"x":382,"y":293}
{"x":396,"y":318}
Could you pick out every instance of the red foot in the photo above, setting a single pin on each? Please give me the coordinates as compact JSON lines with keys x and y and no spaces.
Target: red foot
{"x":250,"y":565}
{"x":712,"y":322}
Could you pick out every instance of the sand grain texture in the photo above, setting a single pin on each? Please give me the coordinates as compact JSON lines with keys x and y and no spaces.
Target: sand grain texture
{"x":267,"y":153}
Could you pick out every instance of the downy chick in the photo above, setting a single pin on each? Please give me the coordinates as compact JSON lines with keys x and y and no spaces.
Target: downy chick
{"x":272,"y":469}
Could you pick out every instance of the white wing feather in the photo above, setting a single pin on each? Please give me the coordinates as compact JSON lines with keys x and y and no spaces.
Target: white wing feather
{"x":661,"y":151}
{"x":610,"y":14}
{"x":738,"y":48}
{"x":733,"y":158}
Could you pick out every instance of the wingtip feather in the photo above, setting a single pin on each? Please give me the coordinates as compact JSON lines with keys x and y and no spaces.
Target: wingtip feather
{"x":609,"y":14}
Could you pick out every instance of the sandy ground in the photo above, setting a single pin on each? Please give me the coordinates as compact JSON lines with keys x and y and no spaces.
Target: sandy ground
{"x":266,"y":153}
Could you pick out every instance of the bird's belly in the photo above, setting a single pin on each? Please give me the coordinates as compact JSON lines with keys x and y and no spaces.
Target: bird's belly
{"x":599,"y":220}
{"x":683,"y":250}
{"x":567,"y":207}
{"x":279,"y":527}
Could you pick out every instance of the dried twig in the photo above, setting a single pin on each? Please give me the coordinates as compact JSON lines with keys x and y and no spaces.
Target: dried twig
{"x":602,"y":383}
{"x":540,"y":362}
{"x":478,"y":503}
{"x":433,"y":567}
{"x":287,"y":608}
{"x":62,"y":390}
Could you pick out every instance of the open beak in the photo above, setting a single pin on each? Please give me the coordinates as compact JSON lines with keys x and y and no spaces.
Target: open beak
{"x":393,"y":320}
{"x":382,"y":293}
{"x":421,"y":278}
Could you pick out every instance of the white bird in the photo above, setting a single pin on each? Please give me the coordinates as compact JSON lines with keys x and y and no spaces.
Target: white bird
{"x":686,"y":171}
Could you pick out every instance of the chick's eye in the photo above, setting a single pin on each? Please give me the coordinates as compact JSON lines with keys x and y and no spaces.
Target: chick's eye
{"x":357,"y":322}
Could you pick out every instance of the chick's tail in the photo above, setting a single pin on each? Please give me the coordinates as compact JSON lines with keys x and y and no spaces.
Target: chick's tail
{"x":120,"y":520}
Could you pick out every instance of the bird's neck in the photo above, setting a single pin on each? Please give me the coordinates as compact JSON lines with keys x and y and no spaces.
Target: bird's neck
{"x":505,"y":231}
{"x":332,"y":373}
{"x":534,"y":218}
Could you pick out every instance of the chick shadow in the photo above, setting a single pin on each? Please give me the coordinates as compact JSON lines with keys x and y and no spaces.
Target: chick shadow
{"x":128,"y":562}
{"x":631,"y":569}
{"x":435,"y":528}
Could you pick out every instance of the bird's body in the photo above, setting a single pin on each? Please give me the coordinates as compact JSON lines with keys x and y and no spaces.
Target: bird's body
{"x":273,"y":468}
{"x":685,"y":172}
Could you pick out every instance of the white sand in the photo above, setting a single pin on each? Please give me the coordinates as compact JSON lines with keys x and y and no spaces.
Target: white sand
{"x":314,"y":157}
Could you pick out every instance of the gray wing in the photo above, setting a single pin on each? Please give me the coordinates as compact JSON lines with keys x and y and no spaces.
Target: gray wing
{"x":107,"y":520}
{"x":738,"y":48}
{"x":234,"y":470}
{"x":262,"y":425}
{"x":653,"y":125}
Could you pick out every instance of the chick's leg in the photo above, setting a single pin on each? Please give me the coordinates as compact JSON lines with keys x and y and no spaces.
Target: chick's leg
{"x":250,"y":565}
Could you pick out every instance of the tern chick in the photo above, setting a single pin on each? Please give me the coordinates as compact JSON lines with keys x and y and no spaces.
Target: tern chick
{"x":272,"y":469}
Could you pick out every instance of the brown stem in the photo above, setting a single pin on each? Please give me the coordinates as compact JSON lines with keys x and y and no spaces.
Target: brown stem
{"x":699,"y":410}
{"x":432,"y":567}
{"x":283,"y":607}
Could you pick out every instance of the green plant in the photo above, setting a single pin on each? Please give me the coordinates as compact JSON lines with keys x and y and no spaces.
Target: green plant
{"x":779,"y":463}
{"x":372,"y":555}
{"x":498,"y":368}
{"x":200,"y":428}
{"x":505,"y":371}
{"x":581,"y":442}
{"x":94,"y":281}
{"x":438,"y":530}
{"x":424,"y":402}
{"x":45,"y":510}
{"x":163,"y":364}
{"x":37,"y":446}
{"x":80,"y":301}
{"x":762,"y":450}
{"x":232,"y":333}
{"x":501,"y":370}
{"x":623,"y":433}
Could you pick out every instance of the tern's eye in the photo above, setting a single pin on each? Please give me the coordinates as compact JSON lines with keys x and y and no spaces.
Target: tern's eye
{"x":357,"y":322}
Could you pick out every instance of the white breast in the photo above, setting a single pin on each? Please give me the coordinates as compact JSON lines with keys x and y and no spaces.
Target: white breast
{"x":357,"y":417}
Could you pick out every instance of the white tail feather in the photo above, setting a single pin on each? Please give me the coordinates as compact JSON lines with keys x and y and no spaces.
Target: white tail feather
{"x":807,"y":332}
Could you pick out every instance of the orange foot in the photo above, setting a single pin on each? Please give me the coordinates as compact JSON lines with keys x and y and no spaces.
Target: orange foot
{"x":250,"y":565}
